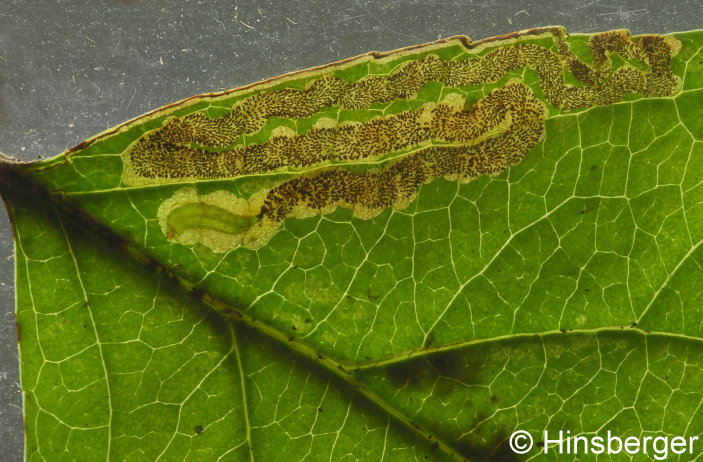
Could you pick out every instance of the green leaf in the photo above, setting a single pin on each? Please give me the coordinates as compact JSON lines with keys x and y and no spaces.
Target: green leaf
{"x":402,"y":256}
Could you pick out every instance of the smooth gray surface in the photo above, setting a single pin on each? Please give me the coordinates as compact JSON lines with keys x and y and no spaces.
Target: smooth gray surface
{"x":70,"y":69}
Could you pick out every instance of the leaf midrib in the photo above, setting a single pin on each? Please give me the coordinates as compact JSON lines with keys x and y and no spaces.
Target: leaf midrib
{"x":11,"y":174}
{"x":346,"y":371}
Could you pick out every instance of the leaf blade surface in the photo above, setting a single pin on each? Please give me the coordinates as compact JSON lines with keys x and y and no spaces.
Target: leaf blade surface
{"x":461,"y":274}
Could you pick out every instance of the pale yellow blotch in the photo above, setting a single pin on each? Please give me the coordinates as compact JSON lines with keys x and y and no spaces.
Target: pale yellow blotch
{"x":454,"y":100}
{"x":283,"y":131}
{"x":674,"y":44}
{"x":581,"y":320}
{"x":220,"y":242}
{"x":320,"y":290}
{"x":129,"y":175}
{"x":675,"y":47}
{"x":426,"y":115}
{"x":325,"y":122}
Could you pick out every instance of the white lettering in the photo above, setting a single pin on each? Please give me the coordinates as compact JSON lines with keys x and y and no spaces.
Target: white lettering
{"x":611,"y":440}
{"x":661,"y":451}
{"x":678,"y":445}
{"x":658,"y":447}
{"x":560,"y":441}
{"x":632,"y":445}
{"x":597,"y":443}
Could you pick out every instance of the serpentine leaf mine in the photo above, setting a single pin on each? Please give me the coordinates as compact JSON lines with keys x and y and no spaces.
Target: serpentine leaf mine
{"x":370,"y":165}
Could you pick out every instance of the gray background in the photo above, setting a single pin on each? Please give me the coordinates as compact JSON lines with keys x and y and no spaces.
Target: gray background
{"x":71,"y":68}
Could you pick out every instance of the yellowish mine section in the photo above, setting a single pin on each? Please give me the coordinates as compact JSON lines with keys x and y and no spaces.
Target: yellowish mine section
{"x":445,"y":139}
{"x":495,"y":133}
{"x":220,"y":220}
{"x":197,"y":147}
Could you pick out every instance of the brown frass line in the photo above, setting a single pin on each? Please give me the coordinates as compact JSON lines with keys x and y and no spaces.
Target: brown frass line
{"x":445,"y":139}
{"x":176,"y":150}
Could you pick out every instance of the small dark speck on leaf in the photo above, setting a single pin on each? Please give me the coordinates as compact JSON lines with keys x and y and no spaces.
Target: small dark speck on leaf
{"x":319,"y":409}
{"x":294,"y":328}
{"x":371,"y":296}
{"x":198,"y":429}
{"x":563,"y":331}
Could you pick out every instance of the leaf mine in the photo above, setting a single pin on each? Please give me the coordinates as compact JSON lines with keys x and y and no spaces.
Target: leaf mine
{"x":368,"y":166}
